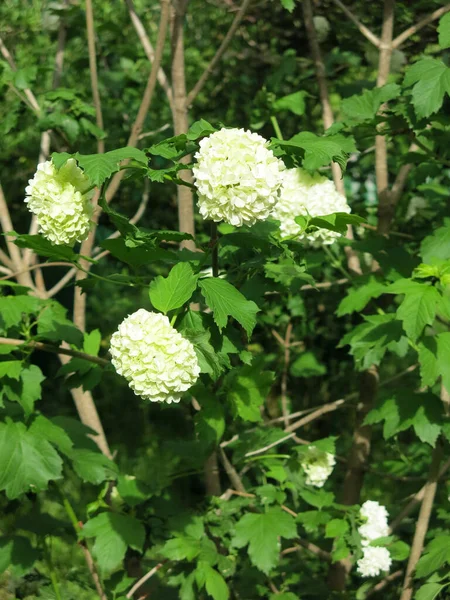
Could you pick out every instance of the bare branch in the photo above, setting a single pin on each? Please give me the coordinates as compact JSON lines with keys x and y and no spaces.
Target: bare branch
{"x":415,"y":500}
{"x":103,"y":362}
{"x":269,"y":446}
{"x":326,"y":408}
{"x":148,"y":49}
{"x":146,"y":577}
{"x":220,"y":52}
{"x":231,"y":471}
{"x":40,"y":266}
{"x":28,"y":93}
{"x":323,"y":554}
{"x":422,"y":522}
{"x":148,"y":94}
{"x":381,"y":154}
{"x":185,"y":196}
{"x":62,"y":282}
{"x":384,"y":583}
{"x":362,"y":28}
{"x":420,"y":25}
{"x":92,"y":570}
{"x":93,"y":71}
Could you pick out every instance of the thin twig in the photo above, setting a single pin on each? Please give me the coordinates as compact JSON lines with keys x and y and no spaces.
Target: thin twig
{"x":269,"y":446}
{"x":384,"y":582}
{"x":418,"y":26}
{"x":326,"y":408}
{"x":148,"y":95}
{"x":362,"y":28}
{"x":37,"y":266}
{"x":146,"y":577}
{"x":415,"y":500}
{"x":220,"y":52}
{"x":34,"y":104}
{"x":422,"y":522}
{"x":231,"y":471}
{"x":149,"y":51}
{"x":92,"y":570}
{"x":285,"y":374}
{"x":93,"y":72}
{"x":54,"y":350}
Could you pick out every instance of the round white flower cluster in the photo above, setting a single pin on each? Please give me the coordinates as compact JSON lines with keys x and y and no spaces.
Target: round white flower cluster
{"x":237,"y":177}
{"x":56,"y":197}
{"x":157,"y":361}
{"x":376,"y":524}
{"x":302,"y":194}
{"x":318,"y":466}
{"x":375,"y":560}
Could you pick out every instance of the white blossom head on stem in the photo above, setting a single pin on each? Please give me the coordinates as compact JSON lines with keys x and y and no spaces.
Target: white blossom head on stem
{"x":60,"y":202}
{"x":237,"y":177}
{"x":303,"y":194}
{"x":156,"y":360}
{"x":317,"y":465}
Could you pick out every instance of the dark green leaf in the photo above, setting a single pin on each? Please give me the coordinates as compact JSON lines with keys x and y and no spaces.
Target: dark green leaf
{"x":171,"y":292}
{"x":225,"y":300}
{"x":261,"y":533}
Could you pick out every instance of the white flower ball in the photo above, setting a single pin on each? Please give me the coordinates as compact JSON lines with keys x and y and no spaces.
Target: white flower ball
{"x":303,"y":194}
{"x":376,"y":524}
{"x":318,"y":466}
{"x":374,"y":561}
{"x":237,"y":177}
{"x":157,"y":361}
{"x":56,"y":197}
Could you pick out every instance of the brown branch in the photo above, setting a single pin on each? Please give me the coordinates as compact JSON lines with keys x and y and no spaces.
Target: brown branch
{"x":326,"y":408}
{"x":422,"y":522}
{"x":103,"y":362}
{"x":93,"y":71}
{"x":148,"y":94}
{"x":146,"y":577}
{"x":186,"y":221}
{"x":323,"y":554}
{"x":62,"y":282}
{"x":37,"y":266}
{"x":33,"y":103}
{"x":415,"y":500}
{"x":92,"y":570}
{"x":269,"y":446}
{"x":362,"y":28}
{"x":354,"y":476}
{"x":328,"y":118}
{"x":148,"y":49}
{"x":420,"y":25}
{"x":231,"y":471}
{"x":381,"y":154}
{"x":220,"y":52}
{"x":384,"y":582}
{"x":286,"y":344}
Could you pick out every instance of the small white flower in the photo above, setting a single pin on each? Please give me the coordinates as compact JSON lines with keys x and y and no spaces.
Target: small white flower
{"x":375,"y":560}
{"x":157,"y":361}
{"x":318,"y":466}
{"x":376,"y":524}
{"x":302,"y":194}
{"x":56,"y":197}
{"x":237,"y":177}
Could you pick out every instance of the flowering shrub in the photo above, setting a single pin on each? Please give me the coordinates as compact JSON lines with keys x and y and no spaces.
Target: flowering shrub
{"x":244,"y":371}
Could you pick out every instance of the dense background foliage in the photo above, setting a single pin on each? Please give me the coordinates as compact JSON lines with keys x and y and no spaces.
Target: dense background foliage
{"x":351,"y":347}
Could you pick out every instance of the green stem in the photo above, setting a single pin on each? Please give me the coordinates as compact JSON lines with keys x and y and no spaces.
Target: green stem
{"x":53,"y":578}
{"x":214,"y":250}
{"x":276,"y":127}
{"x":71,"y":513}
{"x":335,"y":262}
